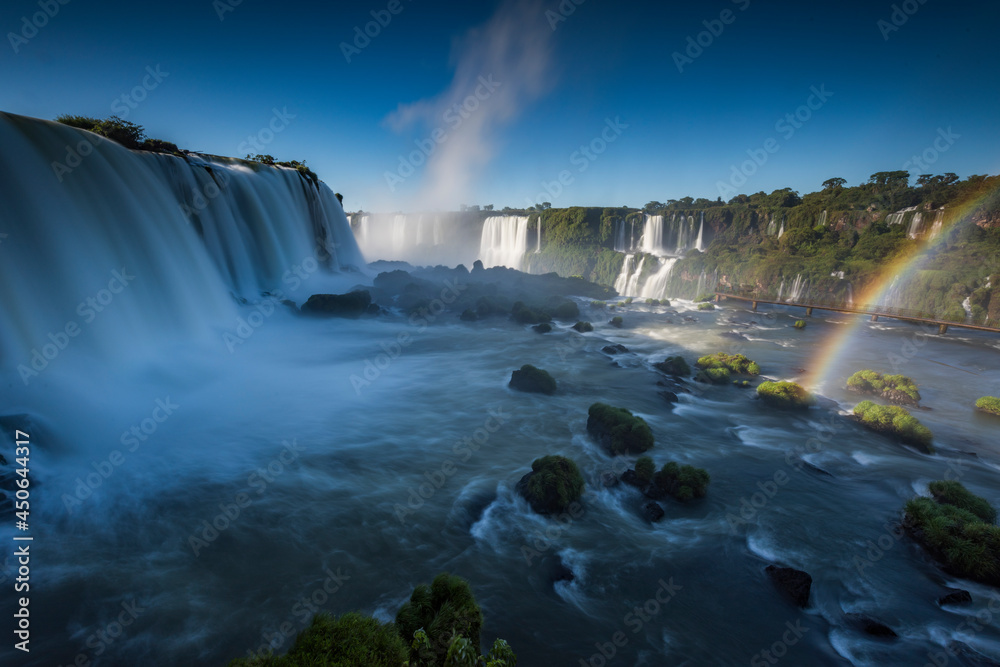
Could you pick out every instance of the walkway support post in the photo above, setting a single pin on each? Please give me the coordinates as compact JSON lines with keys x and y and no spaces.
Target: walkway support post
{"x":943,"y":329}
{"x":874,"y":318}
{"x":809,"y":312}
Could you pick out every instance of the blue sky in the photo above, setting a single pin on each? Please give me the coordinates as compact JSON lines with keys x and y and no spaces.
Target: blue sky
{"x":890,"y":93}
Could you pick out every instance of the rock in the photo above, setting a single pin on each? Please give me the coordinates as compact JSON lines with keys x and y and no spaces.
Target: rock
{"x":352,"y":305}
{"x":469,"y":315}
{"x":532,"y":379}
{"x":675,"y":366}
{"x":632,"y":479}
{"x":609,"y":479}
{"x":561,"y":572}
{"x":795,"y":584}
{"x":552,"y":486}
{"x":583,"y":327}
{"x":614,"y":349}
{"x":871,"y":626}
{"x":542,"y":328}
{"x":616,"y":322}
{"x":668,"y":396}
{"x":970,"y":655}
{"x":955,"y":596}
{"x":652,"y":511}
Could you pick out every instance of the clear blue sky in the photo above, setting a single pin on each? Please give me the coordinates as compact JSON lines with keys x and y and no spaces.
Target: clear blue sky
{"x":685,"y":130}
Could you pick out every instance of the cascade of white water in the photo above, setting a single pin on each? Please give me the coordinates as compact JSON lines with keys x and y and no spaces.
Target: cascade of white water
{"x":916,"y":226}
{"x":822,"y":218}
{"x":850,"y":294}
{"x":652,"y":235}
{"x":781,"y":232}
{"x":701,"y":283}
{"x":538,"y":246}
{"x":781,"y":289}
{"x":656,"y":285}
{"x":700,"y":243}
{"x":504,"y":241}
{"x":621,"y":283}
{"x":798,"y":288}
{"x":937,"y":225}
{"x":967,"y":305}
{"x":771,"y":226}
{"x":191,"y":230}
{"x":891,"y":299}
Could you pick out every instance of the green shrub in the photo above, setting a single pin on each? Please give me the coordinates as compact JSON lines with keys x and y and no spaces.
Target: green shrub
{"x":351,"y":639}
{"x":704,"y":298}
{"x":445,"y":608}
{"x":682,"y":482}
{"x":583,"y":327}
{"x":597,"y":304}
{"x":655,"y":302}
{"x":896,"y":421}
{"x":785,"y":395}
{"x":628,"y":301}
{"x":644,"y":469}
{"x":713,"y":376}
{"x":800,"y":324}
{"x":706,"y":306}
{"x":965,"y":544}
{"x":553,"y":484}
{"x":567,"y":310}
{"x":522,"y":314}
{"x":533,"y":380}
{"x":616,"y":321}
{"x":674,"y":365}
{"x":989,"y":404}
{"x":894,"y":388}
{"x":618,"y":430}
{"x":953,"y":493}
{"x":735,"y":363}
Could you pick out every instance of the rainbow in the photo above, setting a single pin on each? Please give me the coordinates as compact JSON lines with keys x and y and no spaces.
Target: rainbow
{"x":904,"y":266}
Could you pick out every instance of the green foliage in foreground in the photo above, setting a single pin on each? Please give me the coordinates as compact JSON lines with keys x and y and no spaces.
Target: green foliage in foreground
{"x":785,"y":395}
{"x":953,"y":493}
{"x":444,"y":609}
{"x":554,"y":484}
{"x":682,"y":482}
{"x":619,"y":430}
{"x":734,"y":363}
{"x":347,"y":641}
{"x":895,"y":388}
{"x":990,"y":404}
{"x":967,"y":545}
{"x":460,"y":653}
{"x":896,"y":421}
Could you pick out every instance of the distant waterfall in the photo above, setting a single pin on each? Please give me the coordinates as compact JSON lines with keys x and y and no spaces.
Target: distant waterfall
{"x":781,"y":289}
{"x":700,"y":243}
{"x":652,"y":235}
{"x":538,"y":246}
{"x":822,"y":219}
{"x":781,"y":232}
{"x":701,"y":283}
{"x":898,"y":217}
{"x":656,"y":284}
{"x":967,"y":305}
{"x":399,"y":237}
{"x":892,"y":296}
{"x":674,"y":237}
{"x":916,"y":226}
{"x":192,"y":230}
{"x":627,"y":283}
{"x":937,"y":225}
{"x":771,"y":226}
{"x":625,"y":236}
{"x":504,"y":241}
{"x":798,"y":288}
{"x":850,"y":294}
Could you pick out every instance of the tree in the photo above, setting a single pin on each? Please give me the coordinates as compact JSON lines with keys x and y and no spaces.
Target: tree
{"x":488,"y":207}
{"x":889,"y":180}
{"x":653,"y":206}
{"x":834,"y":183}
{"x":546,"y":205}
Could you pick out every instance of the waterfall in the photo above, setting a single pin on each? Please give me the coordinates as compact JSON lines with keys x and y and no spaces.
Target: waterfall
{"x":504,"y":241}
{"x":701,"y":284}
{"x":891,"y":299}
{"x":822,"y":218}
{"x":656,"y":284}
{"x":781,"y":289}
{"x":938,"y":224}
{"x":850,"y":294}
{"x":798,"y":288}
{"x":621,"y":283}
{"x":771,"y":227}
{"x":700,"y":243}
{"x":652,"y":235}
{"x":967,"y":305}
{"x":781,"y":232}
{"x":190,"y":230}
{"x":915,"y":226}
{"x":898,"y":217}
{"x":538,"y":246}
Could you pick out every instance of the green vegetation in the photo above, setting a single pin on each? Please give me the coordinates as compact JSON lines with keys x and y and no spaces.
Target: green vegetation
{"x":735,"y":363}
{"x":598,"y":304}
{"x":657,"y":302}
{"x":644,"y":469}
{"x":704,"y":298}
{"x":583,"y":327}
{"x":706,"y":306}
{"x":893,"y":388}
{"x":533,"y":380}
{"x":120,"y":131}
{"x":445,"y":609}
{"x":616,"y":321}
{"x":896,"y":421}
{"x":618,"y":430}
{"x":713,"y":376}
{"x":553,"y":484}
{"x":524,"y":315}
{"x":785,"y":395}
{"x":957,"y":528}
{"x":567,"y":310}
{"x":291,"y":164}
{"x":989,"y":404}
{"x":351,"y":639}
{"x":800,"y":324}
{"x":674,"y":365}
{"x":682,"y":482}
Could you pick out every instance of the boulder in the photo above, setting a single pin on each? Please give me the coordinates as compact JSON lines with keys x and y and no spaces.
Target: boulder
{"x":871,"y":626}
{"x":652,"y":511}
{"x":609,"y":479}
{"x":531,"y":379}
{"x":955,"y":596}
{"x":614,"y":349}
{"x":675,"y":366}
{"x":795,"y":584}
{"x":668,"y":396}
{"x":352,"y":305}
{"x":542,"y":328}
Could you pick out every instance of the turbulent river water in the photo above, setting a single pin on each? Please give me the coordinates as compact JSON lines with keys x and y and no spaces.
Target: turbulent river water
{"x":321,"y":466}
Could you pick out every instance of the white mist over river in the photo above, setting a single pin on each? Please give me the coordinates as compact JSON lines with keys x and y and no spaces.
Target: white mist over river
{"x":308,"y":443}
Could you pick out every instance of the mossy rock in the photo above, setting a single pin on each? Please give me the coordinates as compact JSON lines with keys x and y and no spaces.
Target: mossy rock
{"x":567,"y":310}
{"x":351,"y":305}
{"x":617,"y":322}
{"x":675,"y":365}
{"x":542,"y":328}
{"x":522,"y":314}
{"x":786,"y":395}
{"x":553,"y":484}
{"x":683,"y":482}
{"x":989,"y":405}
{"x":734,"y":363}
{"x":713,"y":376}
{"x":704,"y":298}
{"x":800,"y":324}
{"x":644,"y":469}
{"x":954,"y":493}
{"x":618,"y":430}
{"x":583,"y":327}
{"x":706,"y":306}
{"x":893,"y":388}
{"x":534,"y":380}
{"x":895,"y":421}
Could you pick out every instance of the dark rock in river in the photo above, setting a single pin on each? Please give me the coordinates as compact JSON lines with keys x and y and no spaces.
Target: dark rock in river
{"x":795,"y":584}
{"x":955,"y":596}
{"x":629,"y":477}
{"x":668,"y":396}
{"x":614,"y":349}
{"x":675,"y":365}
{"x":352,"y":304}
{"x":542,"y":328}
{"x":970,"y":656}
{"x":532,"y":379}
{"x":652,"y":511}
{"x":871,"y":626}
{"x":609,"y":479}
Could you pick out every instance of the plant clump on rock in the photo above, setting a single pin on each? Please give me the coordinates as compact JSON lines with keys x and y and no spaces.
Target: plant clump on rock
{"x":618,"y":430}
{"x":989,"y":405}
{"x":534,"y":380}
{"x":785,"y":395}
{"x":896,"y":421}
{"x":553,"y":484}
{"x":674,"y":365}
{"x":893,"y":388}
